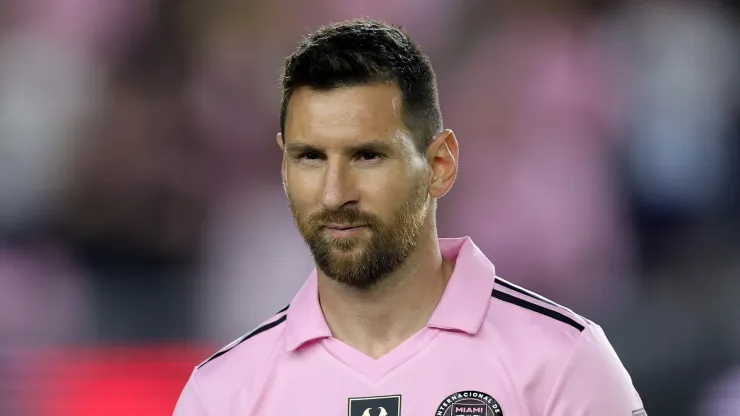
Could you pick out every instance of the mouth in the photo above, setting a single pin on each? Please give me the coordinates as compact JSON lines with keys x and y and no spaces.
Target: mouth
{"x":339,"y":226}
{"x":344,"y":230}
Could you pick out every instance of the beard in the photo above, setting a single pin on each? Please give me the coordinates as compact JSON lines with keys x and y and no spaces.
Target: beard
{"x":359,"y":261}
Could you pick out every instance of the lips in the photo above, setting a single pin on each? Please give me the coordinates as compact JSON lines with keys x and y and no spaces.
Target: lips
{"x":342,"y":231}
{"x":343,"y":226}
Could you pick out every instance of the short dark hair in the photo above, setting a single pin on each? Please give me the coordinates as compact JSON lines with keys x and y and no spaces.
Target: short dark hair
{"x":361,"y":52}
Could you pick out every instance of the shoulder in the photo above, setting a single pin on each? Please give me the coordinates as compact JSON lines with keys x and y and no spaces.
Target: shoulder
{"x":555,"y":351}
{"x":532,"y":334}
{"x":245,"y":356}
{"x":515,"y":306}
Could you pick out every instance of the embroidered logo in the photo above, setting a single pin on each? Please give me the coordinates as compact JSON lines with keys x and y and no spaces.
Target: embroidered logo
{"x":375,"y":406}
{"x":469,"y":403}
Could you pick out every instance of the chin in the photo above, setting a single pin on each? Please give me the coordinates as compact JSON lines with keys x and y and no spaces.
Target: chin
{"x":358,"y":282}
{"x":352,"y":274}
{"x":347,"y":249}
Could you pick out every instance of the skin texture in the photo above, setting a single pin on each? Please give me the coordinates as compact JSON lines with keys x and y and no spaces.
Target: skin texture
{"x":363,"y":197}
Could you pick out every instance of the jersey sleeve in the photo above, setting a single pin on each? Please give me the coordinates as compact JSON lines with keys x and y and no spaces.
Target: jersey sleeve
{"x":191,"y":401}
{"x":594,"y":382}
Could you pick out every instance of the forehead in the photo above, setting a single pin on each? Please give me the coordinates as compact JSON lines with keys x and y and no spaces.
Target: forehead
{"x":345,"y":115}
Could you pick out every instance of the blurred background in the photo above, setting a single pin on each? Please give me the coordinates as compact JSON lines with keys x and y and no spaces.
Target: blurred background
{"x":143,"y":223}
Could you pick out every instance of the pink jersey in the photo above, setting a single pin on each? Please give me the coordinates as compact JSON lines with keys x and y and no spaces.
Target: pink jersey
{"x":489,"y":348}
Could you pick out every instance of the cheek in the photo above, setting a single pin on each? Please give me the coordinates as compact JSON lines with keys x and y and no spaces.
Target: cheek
{"x":385,"y":196}
{"x":296,"y":198}
{"x":304,"y":195}
{"x":301,"y":187}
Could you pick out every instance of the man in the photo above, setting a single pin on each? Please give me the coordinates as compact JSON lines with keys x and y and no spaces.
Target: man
{"x":394,"y":320}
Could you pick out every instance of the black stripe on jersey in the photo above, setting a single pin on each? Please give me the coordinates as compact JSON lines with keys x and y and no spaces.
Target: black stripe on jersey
{"x":536,"y":308}
{"x":283,"y":310}
{"x":525,"y":292}
{"x":257,"y":331}
{"x":533,"y":295}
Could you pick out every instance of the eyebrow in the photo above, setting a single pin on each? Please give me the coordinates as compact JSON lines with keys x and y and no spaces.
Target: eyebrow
{"x":298,"y":147}
{"x":375,"y":146}
{"x":370,"y":146}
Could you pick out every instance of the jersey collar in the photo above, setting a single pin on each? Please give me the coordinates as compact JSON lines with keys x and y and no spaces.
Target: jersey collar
{"x":462,"y":307}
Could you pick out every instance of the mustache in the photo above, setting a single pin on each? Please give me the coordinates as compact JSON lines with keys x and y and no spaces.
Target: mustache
{"x":343,"y":216}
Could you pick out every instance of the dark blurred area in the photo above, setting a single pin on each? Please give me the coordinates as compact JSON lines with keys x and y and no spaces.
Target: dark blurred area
{"x":143,"y":223}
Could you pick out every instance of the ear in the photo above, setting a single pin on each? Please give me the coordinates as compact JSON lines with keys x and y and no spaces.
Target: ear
{"x":442,"y":155}
{"x":283,"y":165}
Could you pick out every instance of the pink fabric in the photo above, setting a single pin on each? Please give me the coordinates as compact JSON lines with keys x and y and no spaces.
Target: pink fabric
{"x":477,"y":350}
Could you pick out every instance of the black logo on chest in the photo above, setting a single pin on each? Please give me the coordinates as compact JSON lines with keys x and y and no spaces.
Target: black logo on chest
{"x":375,"y":406}
{"x":469,"y":403}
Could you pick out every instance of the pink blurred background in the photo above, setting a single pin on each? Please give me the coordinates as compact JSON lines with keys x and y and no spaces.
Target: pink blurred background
{"x":143,"y":223}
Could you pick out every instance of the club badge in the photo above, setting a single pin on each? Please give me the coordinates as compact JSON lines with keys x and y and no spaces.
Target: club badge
{"x":469,"y":403}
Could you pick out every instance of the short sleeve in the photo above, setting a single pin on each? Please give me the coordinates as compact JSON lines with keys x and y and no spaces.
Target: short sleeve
{"x":594,"y":382}
{"x":191,"y":401}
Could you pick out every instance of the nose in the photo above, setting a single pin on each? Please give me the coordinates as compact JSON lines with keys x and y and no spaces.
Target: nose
{"x":339,"y":186}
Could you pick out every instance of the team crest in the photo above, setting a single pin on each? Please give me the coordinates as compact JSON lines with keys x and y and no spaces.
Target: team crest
{"x":375,"y":406}
{"x":469,"y":403}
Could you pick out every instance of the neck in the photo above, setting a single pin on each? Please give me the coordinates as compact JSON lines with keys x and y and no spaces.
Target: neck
{"x":378,"y":319}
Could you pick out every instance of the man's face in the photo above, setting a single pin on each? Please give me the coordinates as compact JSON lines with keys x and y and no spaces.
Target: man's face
{"x":357,"y":187}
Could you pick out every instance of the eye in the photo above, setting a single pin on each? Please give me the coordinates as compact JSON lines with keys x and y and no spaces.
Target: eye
{"x":368,"y":156}
{"x":309,"y":156}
